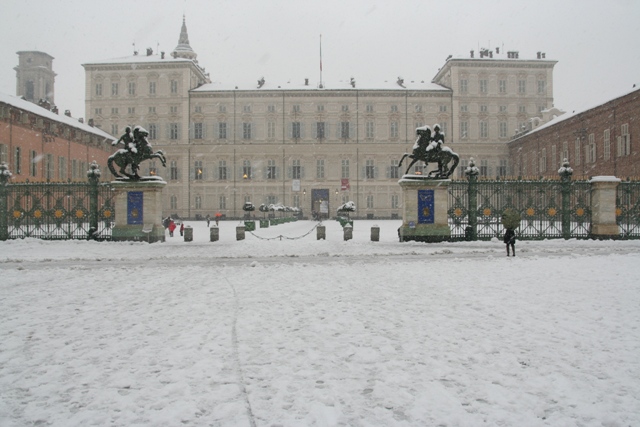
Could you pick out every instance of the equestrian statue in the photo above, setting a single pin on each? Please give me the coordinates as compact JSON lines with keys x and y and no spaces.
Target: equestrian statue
{"x":430,"y":149}
{"x":136,"y":149}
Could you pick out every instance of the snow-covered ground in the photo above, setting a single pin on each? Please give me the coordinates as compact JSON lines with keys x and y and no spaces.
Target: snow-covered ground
{"x":282,"y":329}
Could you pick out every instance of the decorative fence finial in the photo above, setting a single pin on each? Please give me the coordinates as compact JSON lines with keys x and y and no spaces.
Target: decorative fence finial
{"x":565,"y":171}
{"x":472,"y":170}
{"x":5,"y":173}
{"x":94,"y":170}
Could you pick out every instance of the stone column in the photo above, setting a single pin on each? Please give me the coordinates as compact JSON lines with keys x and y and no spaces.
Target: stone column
{"x":603,"y":207}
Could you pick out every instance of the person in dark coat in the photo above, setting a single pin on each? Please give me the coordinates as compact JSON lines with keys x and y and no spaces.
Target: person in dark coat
{"x":510,"y":240}
{"x":182,"y":229}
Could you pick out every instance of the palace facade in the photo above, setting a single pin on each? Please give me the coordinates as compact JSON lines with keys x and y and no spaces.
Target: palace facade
{"x":300,"y":143}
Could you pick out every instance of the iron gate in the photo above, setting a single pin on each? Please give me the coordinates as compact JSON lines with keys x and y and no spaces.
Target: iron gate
{"x":47,"y":210}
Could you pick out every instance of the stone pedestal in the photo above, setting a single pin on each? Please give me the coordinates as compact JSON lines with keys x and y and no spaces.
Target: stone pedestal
{"x":375,"y":233}
{"x":321,"y":232}
{"x":138,"y":208}
{"x":188,"y":234}
{"x":240,"y":232}
{"x":214,"y":234}
{"x":603,"y":207}
{"x":424,"y":217}
{"x":347,"y":231}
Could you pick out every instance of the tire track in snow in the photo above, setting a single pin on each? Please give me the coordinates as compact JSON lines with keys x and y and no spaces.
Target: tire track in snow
{"x":236,"y":354}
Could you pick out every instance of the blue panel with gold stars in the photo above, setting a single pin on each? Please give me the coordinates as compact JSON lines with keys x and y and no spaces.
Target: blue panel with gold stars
{"x":134,"y":207}
{"x":425,"y":207}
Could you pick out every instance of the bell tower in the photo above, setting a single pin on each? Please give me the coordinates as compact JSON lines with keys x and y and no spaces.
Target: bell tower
{"x":35,"y":77}
{"x":184,"y":50}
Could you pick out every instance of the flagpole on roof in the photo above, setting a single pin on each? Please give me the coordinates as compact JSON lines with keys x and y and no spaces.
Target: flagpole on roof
{"x":320,"y":61}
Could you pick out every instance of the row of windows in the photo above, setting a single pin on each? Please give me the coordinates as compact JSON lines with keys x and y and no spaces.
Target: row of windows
{"x":273,"y":199}
{"x":581,"y":152}
{"x":483,"y":129}
{"x":52,"y":169}
{"x":272,"y":171}
{"x":295,"y":130}
{"x":320,"y":108}
{"x":483,"y":86}
{"x":483,"y":108}
{"x":131,"y":88}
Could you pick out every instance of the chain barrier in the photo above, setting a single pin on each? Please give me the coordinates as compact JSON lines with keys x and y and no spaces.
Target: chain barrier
{"x":286,"y":237}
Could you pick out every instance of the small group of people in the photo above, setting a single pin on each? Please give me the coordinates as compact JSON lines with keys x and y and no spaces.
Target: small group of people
{"x":171,"y":225}
{"x":218,"y":216}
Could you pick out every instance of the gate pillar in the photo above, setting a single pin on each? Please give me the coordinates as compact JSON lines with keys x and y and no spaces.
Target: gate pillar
{"x":424,"y":215}
{"x":138,"y":206}
{"x":603,"y":207}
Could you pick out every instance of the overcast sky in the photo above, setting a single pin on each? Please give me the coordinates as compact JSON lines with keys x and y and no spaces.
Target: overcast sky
{"x":595,"y":42}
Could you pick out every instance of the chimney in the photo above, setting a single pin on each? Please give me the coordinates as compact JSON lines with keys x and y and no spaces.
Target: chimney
{"x":161,"y":55}
{"x":149,"y":51}
{"x":472,"y":54}
{"x":539,"y":55}
{"x":497,"y":51}
{"x":90,"y":122}
{"x":67,"y":113}
{"x":81,"y":120}
{"x":544,"y":55}
{"x":54,"y":109}
{"x":306,"y":82}
{"x":353,"y":82}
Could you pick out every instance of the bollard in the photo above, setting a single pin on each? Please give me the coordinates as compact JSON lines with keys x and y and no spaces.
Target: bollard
{"x":188,"y":234}
{"x":321,"y":232}
{"x":240,"y":232}
{"x":214,"y":234}
{"x":348,"y":232}
{"x":375,"y":233}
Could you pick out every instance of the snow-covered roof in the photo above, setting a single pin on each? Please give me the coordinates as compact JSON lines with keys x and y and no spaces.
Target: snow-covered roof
{"x":43,"y":112}
{"x":139,"y":59}
{"x":300,"y":84}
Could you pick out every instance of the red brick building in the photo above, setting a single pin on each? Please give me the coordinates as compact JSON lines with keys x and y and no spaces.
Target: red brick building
{"x":40,"y":145}
{"x":598,"y":141}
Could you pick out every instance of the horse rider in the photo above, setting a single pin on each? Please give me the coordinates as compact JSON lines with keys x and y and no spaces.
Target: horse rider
{"x":437,"y":140}
{"x":127,"y":140}
{"x":140,"y":141}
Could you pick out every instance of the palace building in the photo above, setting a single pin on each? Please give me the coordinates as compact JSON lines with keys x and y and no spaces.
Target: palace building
{"x":302,"y":142}
{"x":596,"y":141}
{"x":39,"y":145}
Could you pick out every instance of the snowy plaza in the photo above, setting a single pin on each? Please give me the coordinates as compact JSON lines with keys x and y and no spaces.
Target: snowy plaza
{"x":282,"y":329}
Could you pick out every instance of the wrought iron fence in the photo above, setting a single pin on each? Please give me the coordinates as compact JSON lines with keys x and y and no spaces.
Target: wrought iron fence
{"x":628,"y":209}
{"x":48,"y":210}
{"x":558,"y":208}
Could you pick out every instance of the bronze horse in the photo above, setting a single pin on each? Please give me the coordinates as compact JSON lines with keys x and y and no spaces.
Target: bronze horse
{"x":137,"y":149}
{"x":424,"y":150}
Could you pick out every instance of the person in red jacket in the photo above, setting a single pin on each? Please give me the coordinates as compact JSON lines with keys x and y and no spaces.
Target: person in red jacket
{"x":172,"y":226}
{"x":182,"y":229}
